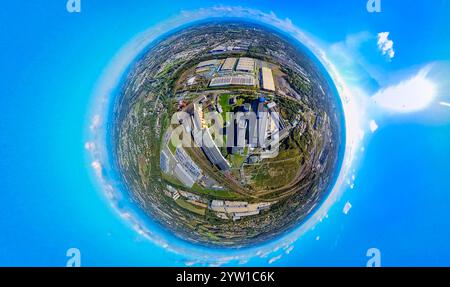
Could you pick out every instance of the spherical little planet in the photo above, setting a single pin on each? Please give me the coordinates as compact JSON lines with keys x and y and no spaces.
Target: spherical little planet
{"x":227,"y":133}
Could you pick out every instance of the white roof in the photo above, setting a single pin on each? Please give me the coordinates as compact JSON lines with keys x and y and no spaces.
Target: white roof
{"x":246,"y":64}
{"x":271,"y":105}
{"x":267,"y":79}
{"x":229,"y":64}
{"x":183,"y":176}
{"x":207,"y":63}
{"x":191,"y":81}
{"x":241,"y":80}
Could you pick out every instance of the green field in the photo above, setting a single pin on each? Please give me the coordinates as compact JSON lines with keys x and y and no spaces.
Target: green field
{"x":236,"y":160}
{"x":196,"y":188}
{"x":223,"y":194}
{"x":274,"y":173}
{"x":225,"y":104}
{"x":171,"y":147}
{"x":192,"y":208}
{"x":172,"y":180}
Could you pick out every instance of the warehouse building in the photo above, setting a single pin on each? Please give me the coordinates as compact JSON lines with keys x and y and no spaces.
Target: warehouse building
{"x":185,"y":160}
{"x":239,"y":140}
{"x":238,"y":215}
{"x":212,"y":152}
{"x":240,"y":80}
{"x":218,"y":49}
{"x":183,"y":176}
{"x":229,"y":64}
{"x":246,"y":64}
{"x":164,"y":162}
{"x":238,"y":209}
{"x":209,"y":63}
{"x":267,"y":79}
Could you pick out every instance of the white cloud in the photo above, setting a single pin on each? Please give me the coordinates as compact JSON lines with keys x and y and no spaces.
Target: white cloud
{"x":445,"y":104}
{"x":273,"y":259}
{"x":95,"y":122}
{"x":190,"y":263}
{"x":90,"y":146}
{"x":289,"y":249}
{"x":413,"y":94}
{"x":373,"y":126}
{"x":97,"y":166}
{"x":347,"y":207}
{"x":347,"y":56}
{"x":385,"y":45}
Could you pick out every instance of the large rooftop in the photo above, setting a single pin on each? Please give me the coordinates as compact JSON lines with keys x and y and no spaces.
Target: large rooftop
{"x":246,"y":64}
{"x":240,"y":80}
{"x":267,"y":79}
{"x":229,"y":64}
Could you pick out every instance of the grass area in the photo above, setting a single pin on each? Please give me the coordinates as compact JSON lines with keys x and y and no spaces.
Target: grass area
{"x":188,"y":206}
{"x":224,"y":101}
{"x":224,"y":194}
{"x":212,"y":236}
{"x":172,"y":180}
{"x":169,"y":68}
{"x":196,"y":188}
{"x":207,"y":232}
{"x":223,"y":148}
{"x":171,"y":146}
{"x":236,"y":160}
{"x":143,"y":170}
{"x":274,"y":173}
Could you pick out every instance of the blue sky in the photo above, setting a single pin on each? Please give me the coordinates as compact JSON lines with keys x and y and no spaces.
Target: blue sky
{"x":51,"y":61}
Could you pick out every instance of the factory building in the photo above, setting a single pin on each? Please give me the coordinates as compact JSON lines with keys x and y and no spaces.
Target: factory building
{"x":183,"y":176}
{"x":204,"y":140}
{"x":176,"y":195}
{"x":212,"y":152}
{"x":267,"y":79}
{"x":256,"y":129}
{"x":229,"y":64}
{"x":238,"y":215}
{"x":199,"y":121}
{"x":237,"y":46}
{"x":191,"y":81}
{"x":228,"y":206}
{"x":219,"y":49}
{"x":246,"y":64}
{"x":274,"y":124}
{"x":262,"y":115}
{"x":185,"y":160}
{"x":206,"y":66}
{"x":238,"y":209}
{"x":271,"y":106}
{"x":209,"y":63}
{"x":252,"y":130}
{"x":238,"y":80}
{"x":203,"y":70}
{"x":164,"y":162}
{"x":239,"y":140}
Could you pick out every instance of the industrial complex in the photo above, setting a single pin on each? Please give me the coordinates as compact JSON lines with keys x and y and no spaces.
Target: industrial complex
{"x":252,"y":130}
{"x":225,"y":133}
